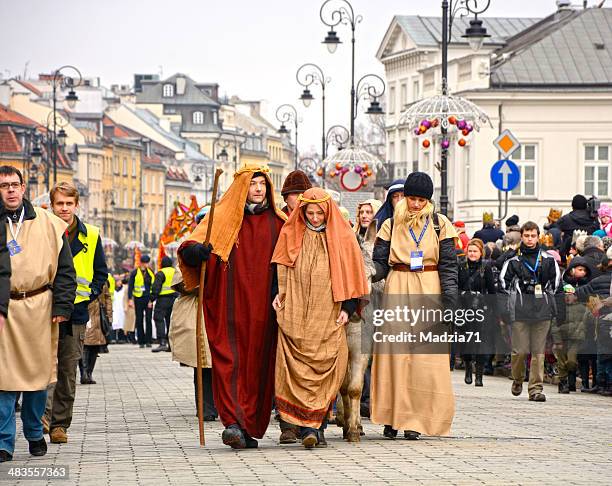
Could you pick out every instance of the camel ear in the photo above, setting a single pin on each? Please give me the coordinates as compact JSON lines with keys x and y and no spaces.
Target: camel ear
{"x":370,"y":235}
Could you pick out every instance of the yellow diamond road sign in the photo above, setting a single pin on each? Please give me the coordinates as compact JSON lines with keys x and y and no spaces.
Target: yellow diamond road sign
{"x":506,"y":143}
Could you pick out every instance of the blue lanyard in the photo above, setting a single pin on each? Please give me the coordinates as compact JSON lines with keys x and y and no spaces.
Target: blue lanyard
{"x":418,"y":242}
{"x":534,"y":269}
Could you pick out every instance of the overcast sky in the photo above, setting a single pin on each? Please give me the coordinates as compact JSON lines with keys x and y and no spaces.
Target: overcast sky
{"x":250,"y":47}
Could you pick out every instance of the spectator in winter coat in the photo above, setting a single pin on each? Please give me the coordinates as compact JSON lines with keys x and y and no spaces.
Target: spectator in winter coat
{"x":579,"y":218}
{"x":488,"y":233}
{"x":593,"y":251}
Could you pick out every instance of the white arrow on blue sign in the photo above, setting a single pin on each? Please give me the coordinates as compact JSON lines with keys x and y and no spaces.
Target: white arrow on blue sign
{"x":505,"y":175}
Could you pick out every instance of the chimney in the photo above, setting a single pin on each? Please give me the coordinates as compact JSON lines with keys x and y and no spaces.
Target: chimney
{"x":564,"y":5}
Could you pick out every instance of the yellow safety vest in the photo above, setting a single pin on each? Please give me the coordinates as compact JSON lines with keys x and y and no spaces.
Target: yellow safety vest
{"x":111,"y":286}
{"x":139,"y":283}
{"x":167,"y":285}
{"x":84,"y":263}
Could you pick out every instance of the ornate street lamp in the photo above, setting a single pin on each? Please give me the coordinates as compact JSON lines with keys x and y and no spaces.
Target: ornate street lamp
{"x":444,"y":112}
{"x":287,"y":113}
{"x":308,"y":75}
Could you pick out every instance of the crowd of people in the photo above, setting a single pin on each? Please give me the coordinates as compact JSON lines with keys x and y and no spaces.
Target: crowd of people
{"x":281,"y":285}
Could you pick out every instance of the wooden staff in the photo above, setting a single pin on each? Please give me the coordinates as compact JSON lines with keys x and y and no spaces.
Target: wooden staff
{"x":199,"y":336}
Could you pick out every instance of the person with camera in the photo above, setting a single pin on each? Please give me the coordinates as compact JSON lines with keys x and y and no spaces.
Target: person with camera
{"x":582,"y":217}
{"x":476,"y":279}
{"x":531,"y":282}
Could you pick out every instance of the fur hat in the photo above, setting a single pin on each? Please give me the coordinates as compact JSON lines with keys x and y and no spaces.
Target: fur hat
{"x":296,"y":181}
{"x":419,"y":184}
{"x":512,"y":220}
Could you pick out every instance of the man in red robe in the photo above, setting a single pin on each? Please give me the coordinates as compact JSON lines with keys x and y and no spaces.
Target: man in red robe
{"x":238,"y":290}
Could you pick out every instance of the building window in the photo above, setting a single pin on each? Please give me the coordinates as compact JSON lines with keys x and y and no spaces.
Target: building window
{"x":124,"y":199}
{"x":415,"y":155}
{"x":168,"y":91}
{"x":198,"y":118}
{"x":134,"y":204}
{"x":392,"y":151}
{"x":169,"y":110}
{"x":125,"y":168}
{"x":416,"y":94}
{"x":392,"y":99}
{"x":403,"y":151}
{"x":144,"y":184}
{"x":404,"y":95}
{"x":116,"y":164}
{"x":465,"y":70}
{"x":526,"y":158}
{"x":133,"y":167}
{"x":215,"y":118}
{"x":428,"y":81}
{"x":596,"y":170}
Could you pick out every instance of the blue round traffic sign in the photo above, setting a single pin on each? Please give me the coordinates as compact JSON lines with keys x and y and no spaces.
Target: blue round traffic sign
{"x":505,"y":175}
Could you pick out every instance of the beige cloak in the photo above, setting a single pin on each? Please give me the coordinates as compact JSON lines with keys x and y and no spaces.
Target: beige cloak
{"x":413,"y":391}
{"x":28,"y":342}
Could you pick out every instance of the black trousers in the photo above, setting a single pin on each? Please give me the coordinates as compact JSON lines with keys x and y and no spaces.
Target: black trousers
{"x":209,"y":402}
{"x":143,"y":318}
{"x":162,"y":313}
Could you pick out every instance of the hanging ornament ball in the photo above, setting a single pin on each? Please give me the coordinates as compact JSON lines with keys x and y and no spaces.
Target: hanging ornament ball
{"x":465,"y":132}
{"x":319,"y":172}
{"x":345,"y":169}
{"x":426,"y":143}
{"x":435,"y":122}
{"x":365,"y":182}
{"x":469,"y":126}
{"x":358,"y":169}
{"x":369,"y":173}
{"x":366,"y":166}
{"x":426,"y":123}
{"x":445,"y":144}
{"x":462,"y":142}
{"x":416,"y":131}
{"x":338,"y":166}
{"x":461,"y":124}
{"x":422,"y":129}
{"x":452,"y":120}
{"x":332,"y":173}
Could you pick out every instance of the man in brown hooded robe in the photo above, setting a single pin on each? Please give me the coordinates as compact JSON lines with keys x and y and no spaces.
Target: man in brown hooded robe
{"x":238,"y":291}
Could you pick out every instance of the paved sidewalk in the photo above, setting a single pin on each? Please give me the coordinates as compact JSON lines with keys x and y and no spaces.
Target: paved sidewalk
{"x":137,"y":426}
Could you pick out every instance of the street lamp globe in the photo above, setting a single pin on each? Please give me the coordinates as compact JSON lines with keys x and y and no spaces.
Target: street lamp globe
{"x":36,"y":155}
{"x":374,"y":111}
{"x":71,"y":99}
{"x":61,"y":137}
{"x":475,"y":34}
{"x":223,"y":155}
{"x":331,"y":41}
{"x":306,"y":97}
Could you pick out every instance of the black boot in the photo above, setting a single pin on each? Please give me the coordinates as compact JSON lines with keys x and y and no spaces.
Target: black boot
{"x":571,"y":381}
{"x":479,"y":373}
{"x":563,"y":386}
{"x":468,"y":372}
{"x":91,"y":364}
{"x":163,"y":346}
{"x":389,"y":432}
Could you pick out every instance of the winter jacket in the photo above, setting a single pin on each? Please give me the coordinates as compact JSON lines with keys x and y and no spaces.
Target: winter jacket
{"x":518,"y":283}
{"x":574,"y":326}
{"x":578,"y":219}
{"x":489,"y":234}
{"x":595,"y":257}
{"x":5,"y":268}
{"x":477,"y":279}
{"x":93,"y":332}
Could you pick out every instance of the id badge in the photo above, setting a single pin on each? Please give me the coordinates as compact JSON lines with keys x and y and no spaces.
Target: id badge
{"x":416,"y":261}
{"x":537,"y":290}
{"x":13,"y":248}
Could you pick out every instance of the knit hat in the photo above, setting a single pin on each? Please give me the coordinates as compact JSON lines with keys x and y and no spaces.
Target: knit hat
{"x":166,"y":262}
{"x":512,"y":220}
{"x":604,"y":210}
{"x":296,"y":181}
{"x":601,"y":233}
{"x":579,"y":202}
{"x":419,"y":184}
{"x":145,"y":259}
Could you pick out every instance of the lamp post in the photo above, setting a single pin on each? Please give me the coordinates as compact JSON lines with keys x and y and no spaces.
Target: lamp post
{"x":287,"y":113}
{"x":475,"y":34}
{"x":58,"y":81}
{"x":223,"y":156}
{"x":307,"y":75}
{"x":372,"y":85}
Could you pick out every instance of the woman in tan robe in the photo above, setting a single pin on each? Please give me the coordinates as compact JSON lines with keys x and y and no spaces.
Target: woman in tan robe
{"x":412,"y":391}
{"x":321,"y":277}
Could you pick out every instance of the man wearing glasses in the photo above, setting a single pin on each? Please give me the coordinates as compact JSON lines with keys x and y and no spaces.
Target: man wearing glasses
{"x":42,"y":290}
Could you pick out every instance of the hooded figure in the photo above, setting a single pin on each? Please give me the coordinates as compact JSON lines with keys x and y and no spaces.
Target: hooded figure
{"x":386,"y":210}
{"x":321,"y":276}
{"x":239,"y":287}
{"x":366,"y":215}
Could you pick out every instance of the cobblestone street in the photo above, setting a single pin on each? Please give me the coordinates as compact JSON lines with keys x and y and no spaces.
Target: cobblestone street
{"x":138,"y":426}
